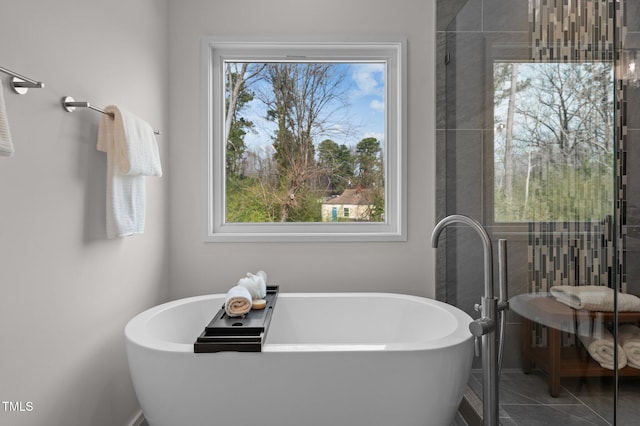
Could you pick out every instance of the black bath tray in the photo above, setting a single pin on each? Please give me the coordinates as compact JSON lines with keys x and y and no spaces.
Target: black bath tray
{"x":239,"y":334}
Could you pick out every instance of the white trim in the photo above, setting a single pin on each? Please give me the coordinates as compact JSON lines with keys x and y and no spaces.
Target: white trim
{"x":215,"y":50}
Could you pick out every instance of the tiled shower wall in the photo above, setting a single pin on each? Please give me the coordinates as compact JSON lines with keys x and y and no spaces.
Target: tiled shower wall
{"x":464,"y":149}
{"x":630,"y":162}
{"x":464,"y":120}
{"x":570,"y":253}
{"x":578,"y":253}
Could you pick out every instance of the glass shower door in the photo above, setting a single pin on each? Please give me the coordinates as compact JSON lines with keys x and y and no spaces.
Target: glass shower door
{"x":533,"y":140}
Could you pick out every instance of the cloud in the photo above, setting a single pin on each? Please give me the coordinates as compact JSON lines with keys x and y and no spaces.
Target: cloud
{"x":368,"y":79}
{"x":377,"y":105}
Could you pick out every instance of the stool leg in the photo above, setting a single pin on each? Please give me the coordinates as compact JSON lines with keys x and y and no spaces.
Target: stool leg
{"x":554,"y":361}
{"x":525,"y":346}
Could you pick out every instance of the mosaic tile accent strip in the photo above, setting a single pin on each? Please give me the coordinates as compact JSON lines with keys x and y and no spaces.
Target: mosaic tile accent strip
{"x":581,"y":253}
{"x":569,"y":30}
{"x":570,"y":253}
{"x":621,"y":184}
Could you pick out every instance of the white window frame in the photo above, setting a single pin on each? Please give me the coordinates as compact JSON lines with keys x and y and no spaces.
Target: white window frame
{"x":216,"y":50}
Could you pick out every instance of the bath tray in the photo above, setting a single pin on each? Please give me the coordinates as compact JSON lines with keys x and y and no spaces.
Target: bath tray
{"x":239,"y":334}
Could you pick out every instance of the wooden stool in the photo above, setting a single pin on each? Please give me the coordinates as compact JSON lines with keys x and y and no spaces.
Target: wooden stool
{"x":555,"y":360}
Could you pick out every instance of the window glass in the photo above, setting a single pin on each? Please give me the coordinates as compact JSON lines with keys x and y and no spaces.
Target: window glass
{"x":553,"y":141}
{"x":298,"y":132}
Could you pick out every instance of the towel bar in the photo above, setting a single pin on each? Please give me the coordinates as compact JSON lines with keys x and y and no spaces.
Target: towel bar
{"x":71,"y":104}
{"x":21,"y":84}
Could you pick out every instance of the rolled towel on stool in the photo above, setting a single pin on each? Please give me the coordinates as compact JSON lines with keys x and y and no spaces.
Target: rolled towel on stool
{"x":600,"y":343}
{"x":237,"y":302}
{"x":256,"y":284}
{"x":629,"y":338}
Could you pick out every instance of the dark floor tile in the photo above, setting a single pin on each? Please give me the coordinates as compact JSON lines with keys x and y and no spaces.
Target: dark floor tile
{"x":525,"y":400}
{"x":602,"y":402}
{"x":518,"y":388}
{"x":629,"y":403}
{"x":545,"y":415}
{"x":590,"y":386}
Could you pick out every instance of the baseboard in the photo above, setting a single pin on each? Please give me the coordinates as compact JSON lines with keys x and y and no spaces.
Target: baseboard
{"x":471,"y":408}
{"x":138,"y":420}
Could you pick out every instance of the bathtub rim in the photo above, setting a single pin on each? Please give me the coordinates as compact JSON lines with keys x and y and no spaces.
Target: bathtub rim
{"x":136,"y":334}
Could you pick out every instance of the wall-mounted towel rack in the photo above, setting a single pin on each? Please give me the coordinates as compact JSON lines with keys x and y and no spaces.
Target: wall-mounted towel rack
{"x":21,"y":84}
{"x":71,"y":104}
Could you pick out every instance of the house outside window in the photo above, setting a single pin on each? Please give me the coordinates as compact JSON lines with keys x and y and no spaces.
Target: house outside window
{"x":356,"y":204}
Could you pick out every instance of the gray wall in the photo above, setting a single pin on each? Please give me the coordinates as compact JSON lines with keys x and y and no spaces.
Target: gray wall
{"x":198,"y":267}
{"x":65,"y":291}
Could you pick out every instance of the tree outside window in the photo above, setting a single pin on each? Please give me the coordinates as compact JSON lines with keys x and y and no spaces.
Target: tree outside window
{"x":553,"y":141}
{"x":283,"y":168}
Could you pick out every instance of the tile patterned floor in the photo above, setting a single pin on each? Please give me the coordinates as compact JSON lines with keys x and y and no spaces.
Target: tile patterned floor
{"x":525,"y":400}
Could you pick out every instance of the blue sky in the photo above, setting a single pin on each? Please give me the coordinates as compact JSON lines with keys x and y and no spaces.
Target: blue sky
{"x":364,"y":86}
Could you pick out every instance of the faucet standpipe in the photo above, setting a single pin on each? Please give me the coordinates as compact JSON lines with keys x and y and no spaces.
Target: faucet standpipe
{"x":485,"y":327}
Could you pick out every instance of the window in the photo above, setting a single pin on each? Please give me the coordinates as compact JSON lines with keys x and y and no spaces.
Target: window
{"x":291,"y":126}
{"x":553,"y":141}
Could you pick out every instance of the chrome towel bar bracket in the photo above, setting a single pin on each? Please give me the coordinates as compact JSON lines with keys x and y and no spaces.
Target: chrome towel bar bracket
{"x":21,"y":84}
{"x":70,"y":104}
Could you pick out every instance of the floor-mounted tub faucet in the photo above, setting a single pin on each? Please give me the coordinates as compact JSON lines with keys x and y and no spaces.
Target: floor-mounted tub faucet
{"x":485,"y":327}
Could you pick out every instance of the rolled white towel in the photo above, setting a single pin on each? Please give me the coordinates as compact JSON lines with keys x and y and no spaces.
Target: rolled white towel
{"x":600,"y":344}
{"x":256,"y":284}
{"x":237,"y":302}
{"x":629,"y":339}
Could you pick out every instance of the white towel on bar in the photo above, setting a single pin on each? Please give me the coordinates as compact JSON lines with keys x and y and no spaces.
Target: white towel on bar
{"x":132,"y":154}
{"x":6,"y":145}
{"x":599,"y":343}
{"x":594,"y":298}
{"x":629,"y":339}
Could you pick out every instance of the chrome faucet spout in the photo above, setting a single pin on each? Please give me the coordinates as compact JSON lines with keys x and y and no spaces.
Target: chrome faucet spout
{"x":484,"y":327}
{"x":486,"y":244}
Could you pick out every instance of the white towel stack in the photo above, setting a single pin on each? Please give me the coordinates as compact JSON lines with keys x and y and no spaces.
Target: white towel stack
{"x":629,"y":339}
{"x":132,"y":154}
{"x":6,"y":145}
{"x":600,"y":344}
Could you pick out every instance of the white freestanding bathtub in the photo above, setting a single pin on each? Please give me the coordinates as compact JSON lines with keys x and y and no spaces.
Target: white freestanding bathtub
{"x":339,"y":359}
